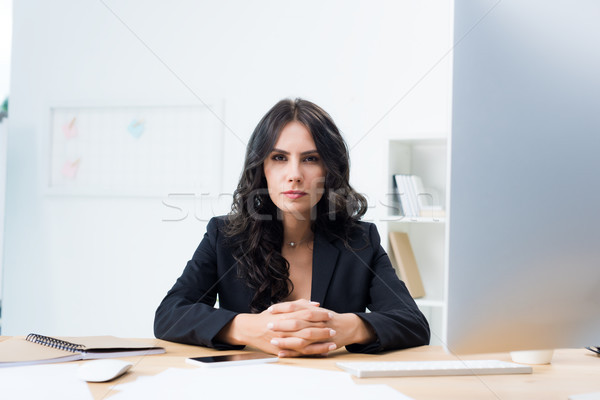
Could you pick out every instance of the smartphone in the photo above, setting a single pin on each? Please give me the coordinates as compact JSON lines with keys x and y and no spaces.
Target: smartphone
{"x":232,"y":359}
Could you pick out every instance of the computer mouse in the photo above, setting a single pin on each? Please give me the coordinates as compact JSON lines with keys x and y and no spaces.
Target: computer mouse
{"x":102,"y":370}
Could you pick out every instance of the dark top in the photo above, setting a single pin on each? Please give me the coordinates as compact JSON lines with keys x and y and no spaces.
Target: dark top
{"x":343,"y":281}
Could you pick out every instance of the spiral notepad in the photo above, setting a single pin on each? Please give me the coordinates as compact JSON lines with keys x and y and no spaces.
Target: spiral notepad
{"x":54,"y":343}
{"x":40,"y":349}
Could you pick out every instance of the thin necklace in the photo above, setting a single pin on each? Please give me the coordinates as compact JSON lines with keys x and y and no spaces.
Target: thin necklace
{"x":293,"y":244}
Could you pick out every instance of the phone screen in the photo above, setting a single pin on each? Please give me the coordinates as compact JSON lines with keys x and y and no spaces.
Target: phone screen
{"x":233,"y":359}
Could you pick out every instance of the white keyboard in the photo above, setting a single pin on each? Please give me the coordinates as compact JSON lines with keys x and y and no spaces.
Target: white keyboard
{"x":372,"y":369}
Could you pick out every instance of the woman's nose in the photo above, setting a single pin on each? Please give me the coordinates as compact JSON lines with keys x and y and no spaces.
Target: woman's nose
{"x":294,"y":173}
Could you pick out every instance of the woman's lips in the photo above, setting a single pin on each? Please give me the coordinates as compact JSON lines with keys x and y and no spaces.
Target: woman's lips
{"x":294,"y":194}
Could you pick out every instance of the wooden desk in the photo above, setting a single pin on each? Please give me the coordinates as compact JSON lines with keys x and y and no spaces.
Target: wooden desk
{"x":572,"y":371}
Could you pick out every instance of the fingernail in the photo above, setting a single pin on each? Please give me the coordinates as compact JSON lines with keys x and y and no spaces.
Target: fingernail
{"x":274,"y":342}
{"x":332,"y":347}
{"x":330,"y":315}
{"x":332,"y":332}
{"x":314,"y":303}
{"x":270,"y":309}
{"x":281,"y":354}
{"x":270,"y":325}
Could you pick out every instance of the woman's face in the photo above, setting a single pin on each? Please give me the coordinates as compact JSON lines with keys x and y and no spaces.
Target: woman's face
{"x":295,"y":172}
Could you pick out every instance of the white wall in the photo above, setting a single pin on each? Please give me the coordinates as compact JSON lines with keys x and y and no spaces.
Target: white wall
{"x":83,"y":265}
{"x":5,"y":41}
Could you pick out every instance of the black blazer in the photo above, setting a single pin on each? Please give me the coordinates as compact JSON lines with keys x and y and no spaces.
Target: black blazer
{"x":343,"y":280}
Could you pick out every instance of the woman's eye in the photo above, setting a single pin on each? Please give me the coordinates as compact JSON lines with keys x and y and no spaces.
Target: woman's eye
{"x":312,"y":159}
{"x":278,"y":157}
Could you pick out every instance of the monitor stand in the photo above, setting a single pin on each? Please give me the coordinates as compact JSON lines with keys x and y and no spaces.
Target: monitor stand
{"x":532,"y":356}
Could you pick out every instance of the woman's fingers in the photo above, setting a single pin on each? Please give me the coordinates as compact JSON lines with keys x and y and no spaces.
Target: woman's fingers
{"x":309,"y":334}
{"x":291,"y":306}
{"x":316,"y":334}
{"x":314,"y":319}
{"x":310,"y":315}
{"x":303,"y":319}
{"x":288,"y":353}
{"x":293,"y":325}
{"x":302,"y":346}
{"x":313,"y":315}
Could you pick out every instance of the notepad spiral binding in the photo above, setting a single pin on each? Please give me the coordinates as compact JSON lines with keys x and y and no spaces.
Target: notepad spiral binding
{"x":55,"y":343}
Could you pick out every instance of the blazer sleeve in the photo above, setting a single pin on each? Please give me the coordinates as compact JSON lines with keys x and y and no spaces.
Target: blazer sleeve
{"x":187,"y":313}
{"x":397,"y":321}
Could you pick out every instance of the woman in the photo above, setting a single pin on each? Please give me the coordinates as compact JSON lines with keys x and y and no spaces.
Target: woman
{"x":292,"y":265}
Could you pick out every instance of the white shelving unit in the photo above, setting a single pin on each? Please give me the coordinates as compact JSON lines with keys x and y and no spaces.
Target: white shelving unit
{"x":426,"y":158}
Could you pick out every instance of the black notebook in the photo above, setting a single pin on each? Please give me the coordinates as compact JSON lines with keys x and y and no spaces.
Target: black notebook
{"x":39,"y":349}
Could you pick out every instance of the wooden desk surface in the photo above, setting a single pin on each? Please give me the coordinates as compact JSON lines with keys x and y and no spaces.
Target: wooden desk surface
{"x":572,"y":371}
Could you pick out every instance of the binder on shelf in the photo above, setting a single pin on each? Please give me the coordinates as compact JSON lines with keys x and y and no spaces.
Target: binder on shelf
{"x":406,"y":195}
{"x":423,"y":197}
{"x":403,"y":195}
{"x":413,"y":199}
{"x":405,"y":263}
{"x":397,"y":201}
{"x":39,"y":349}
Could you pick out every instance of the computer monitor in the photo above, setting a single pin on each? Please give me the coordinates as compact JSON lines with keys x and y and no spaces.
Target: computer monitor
{"x":524,"y":200}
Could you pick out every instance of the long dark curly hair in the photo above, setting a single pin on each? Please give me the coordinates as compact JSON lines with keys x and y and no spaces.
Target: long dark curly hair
{"x":254,"y":230}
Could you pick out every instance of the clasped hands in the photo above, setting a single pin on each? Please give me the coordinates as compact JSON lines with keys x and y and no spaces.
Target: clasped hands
{"x":297,"y":328}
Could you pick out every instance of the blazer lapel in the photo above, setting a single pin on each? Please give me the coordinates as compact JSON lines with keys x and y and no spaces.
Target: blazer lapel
{"x":325,"y":257}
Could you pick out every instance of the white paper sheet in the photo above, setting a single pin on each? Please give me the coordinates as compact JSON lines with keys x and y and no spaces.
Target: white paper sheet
{"x":48,"y":381}
{"x":252,"y":382}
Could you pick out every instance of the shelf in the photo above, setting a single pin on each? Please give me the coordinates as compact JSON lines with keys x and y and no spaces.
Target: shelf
{"x":414,"y":220}
{"x":428,"y":160}
{"x":424,"y":302}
